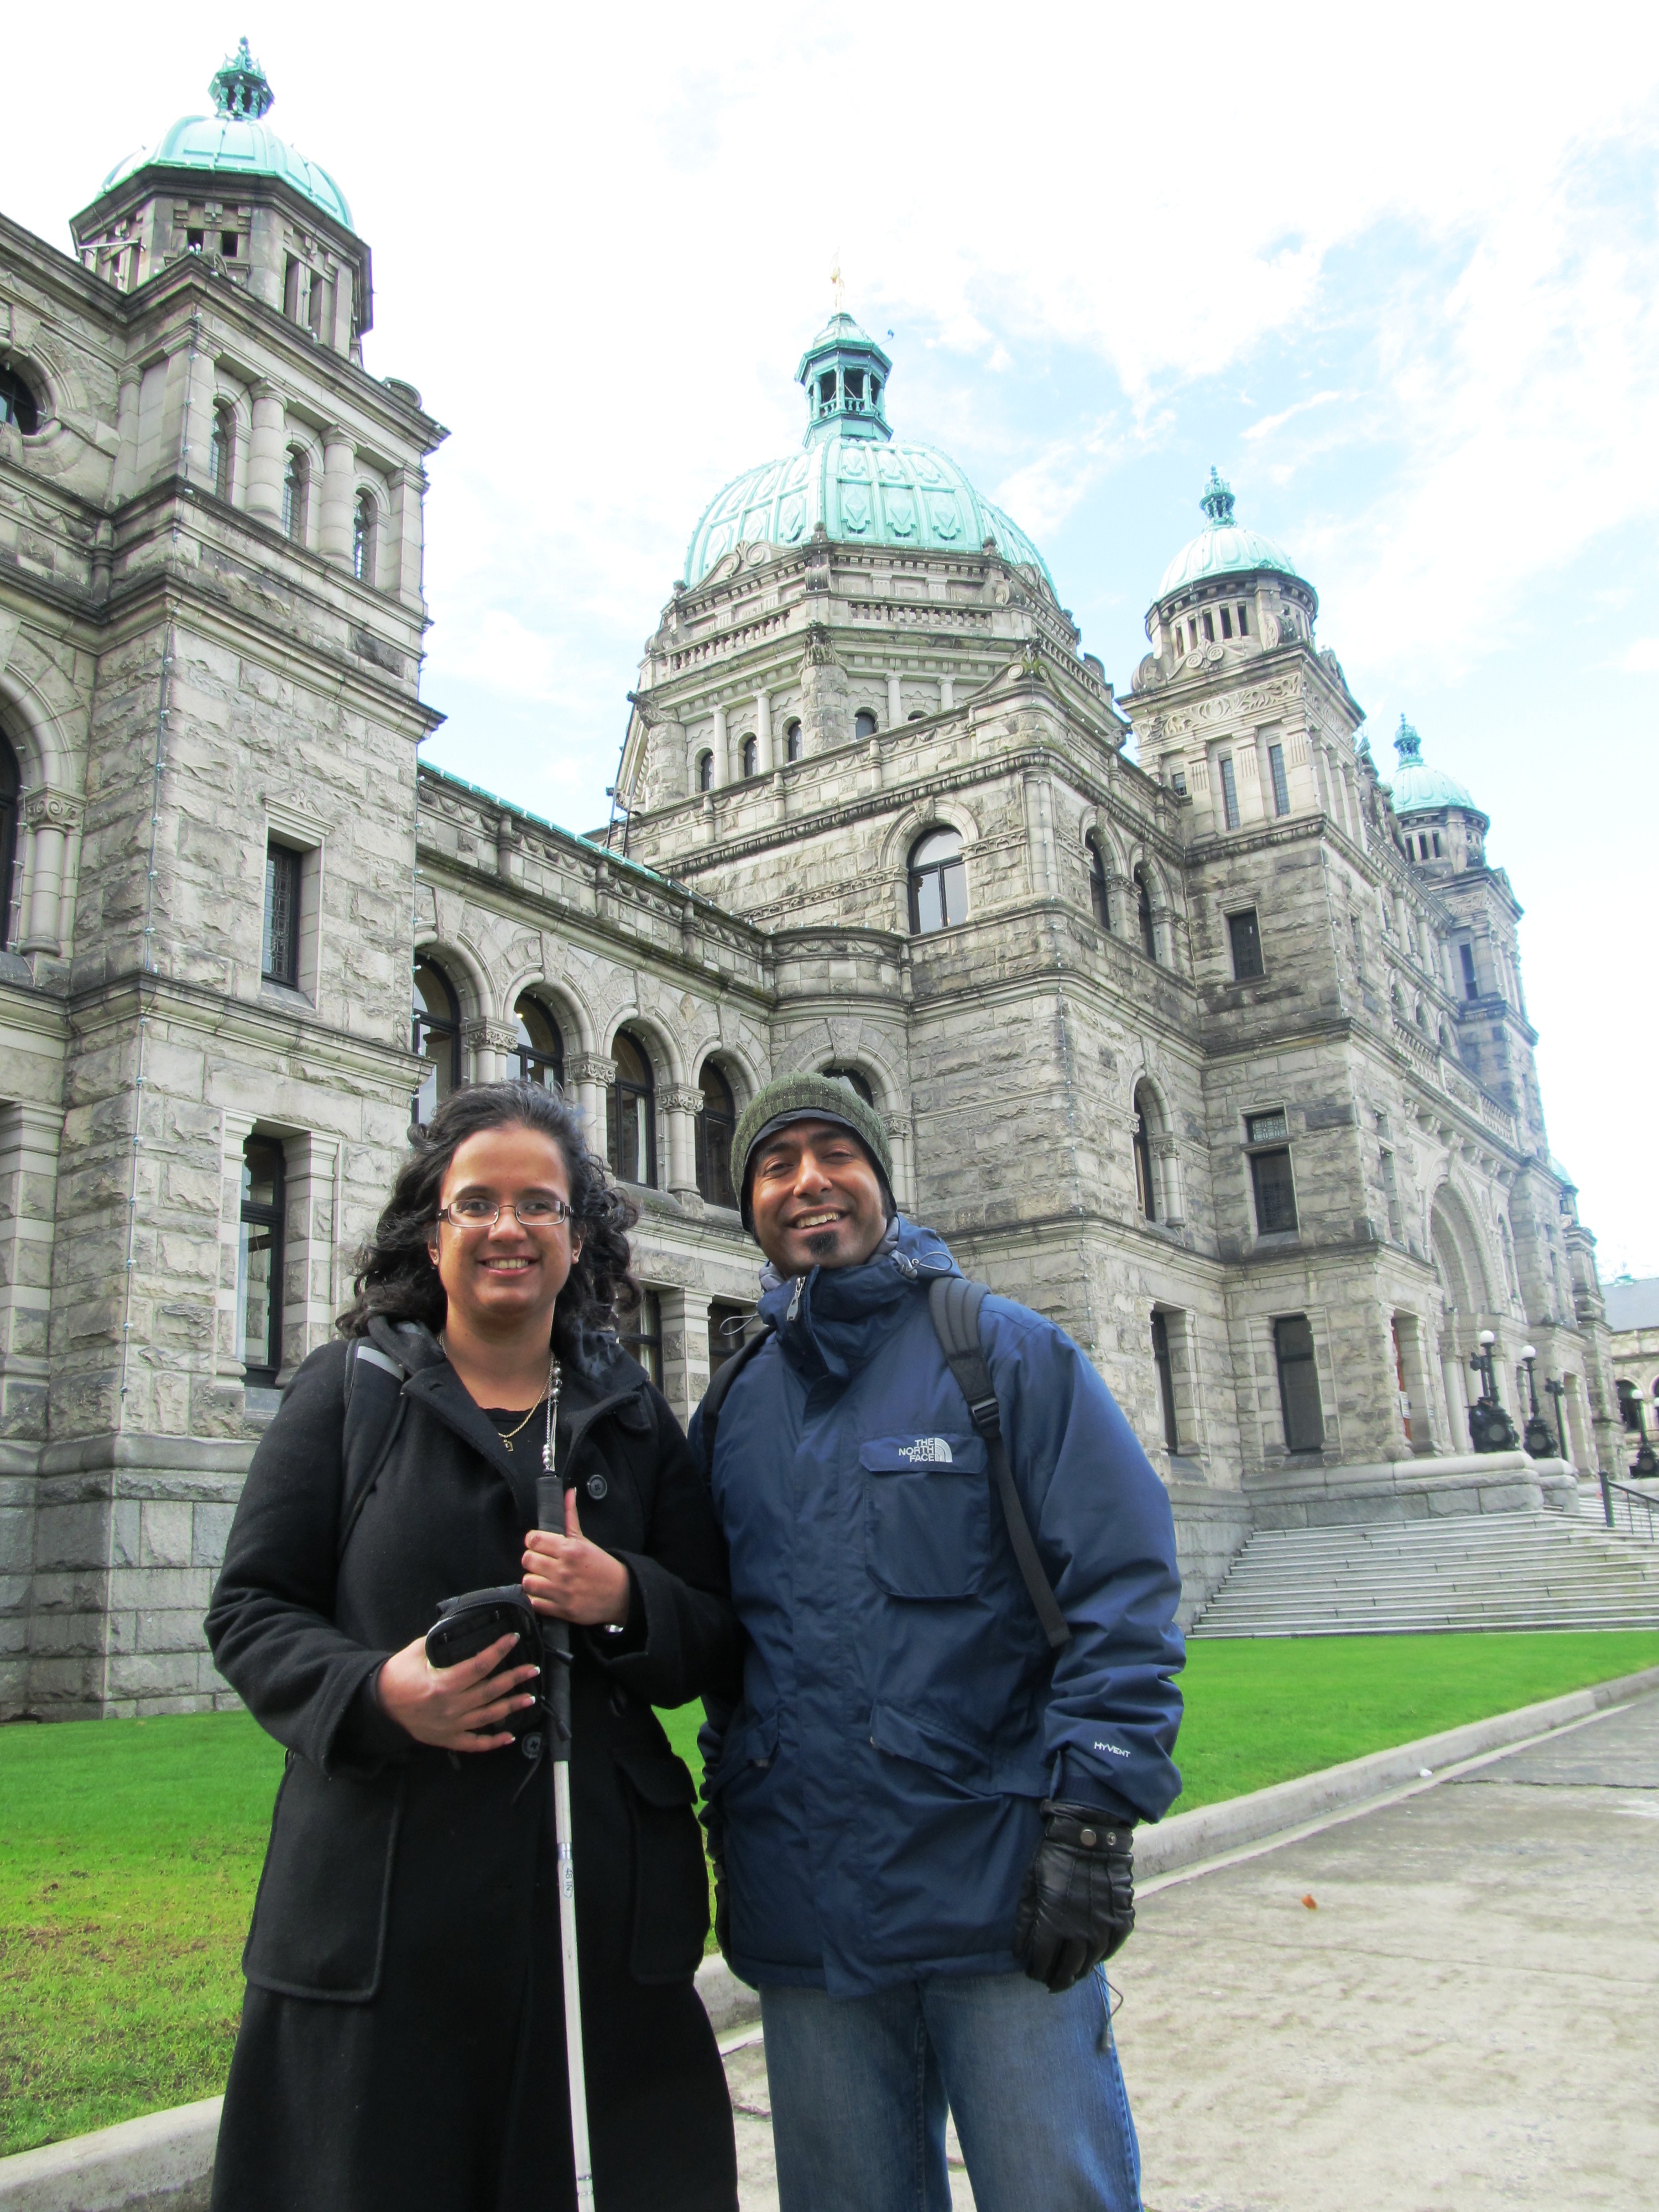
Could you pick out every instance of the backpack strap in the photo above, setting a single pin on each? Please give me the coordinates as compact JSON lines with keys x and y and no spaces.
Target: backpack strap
{"x":374,"y":1377}
{"x":721,"y":1381}
{"x":954,"y":1306}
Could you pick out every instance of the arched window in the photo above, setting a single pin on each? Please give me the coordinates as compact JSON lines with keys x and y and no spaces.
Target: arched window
{"x":295,"y":485}
{"x":864,"y":724}
{"x":791,"y":741}
{"x":18,"y":404}
{"x":1144,"y":915}
{"x":10,"y":785}
{"x":705,"y":771}
{"x":1145,"y":1117}
{"x":715,"y":1124}
{"x":939,"y":883}
{"x":631,"y":1114}
{"x":541,"y":1049}
{"x":749,"y":756}
{"x":222,"y":449}
{"x":437,"y":1038}
{"x":855,"y":1076}
{"x":1099,"y":897}
{"x":362,"y":538}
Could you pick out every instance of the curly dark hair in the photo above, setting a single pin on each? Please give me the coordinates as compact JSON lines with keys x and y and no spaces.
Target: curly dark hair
{"x":395,"y":1275}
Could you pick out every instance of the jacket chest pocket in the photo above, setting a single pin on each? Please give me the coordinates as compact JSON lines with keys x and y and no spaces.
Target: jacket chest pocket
{"x":926,"y":1514}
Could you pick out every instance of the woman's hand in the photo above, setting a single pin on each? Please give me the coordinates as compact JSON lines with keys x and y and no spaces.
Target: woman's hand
{"x":458,"y":1708}
{"x":572,"y":1579}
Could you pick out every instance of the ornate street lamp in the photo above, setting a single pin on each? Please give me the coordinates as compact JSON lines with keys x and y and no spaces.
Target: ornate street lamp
{"x":1557,"y":1390}
{"x":1539,"y":1444}
{"x":1490,"y":1429}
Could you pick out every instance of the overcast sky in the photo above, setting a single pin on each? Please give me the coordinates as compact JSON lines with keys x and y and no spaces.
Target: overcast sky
{"x":1395,"y":273}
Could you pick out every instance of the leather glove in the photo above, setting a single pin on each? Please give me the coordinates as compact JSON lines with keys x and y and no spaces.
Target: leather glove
{"x":1078,"y":1904}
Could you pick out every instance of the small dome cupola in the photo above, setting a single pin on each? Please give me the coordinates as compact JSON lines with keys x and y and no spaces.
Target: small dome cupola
{"x":845,"y":373}
{"x":1417,"y":787}
{"x":240,"y":88}
{"x":1439,"y":821}
{"x":1227,"y":587}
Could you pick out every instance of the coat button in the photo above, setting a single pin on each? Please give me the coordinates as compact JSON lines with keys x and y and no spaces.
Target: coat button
{"x":597,"y":1486}
{"x":1088,"y":1838}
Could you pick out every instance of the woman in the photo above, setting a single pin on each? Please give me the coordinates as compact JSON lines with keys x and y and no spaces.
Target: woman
{"x":402,"y":2043}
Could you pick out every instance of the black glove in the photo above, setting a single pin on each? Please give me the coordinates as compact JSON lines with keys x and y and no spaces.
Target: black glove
{"x":1078,"y":1903}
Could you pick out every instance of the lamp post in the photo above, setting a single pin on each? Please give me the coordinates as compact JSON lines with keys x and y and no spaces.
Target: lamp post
{"x":1539,"y":1444}
{"x":1490,"y":1429}
{"x":1645,"y":1465}
{"x":1557,"y":1389}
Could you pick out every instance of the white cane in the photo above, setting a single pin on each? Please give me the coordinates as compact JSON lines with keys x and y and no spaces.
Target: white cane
{"x":555,"y":1640}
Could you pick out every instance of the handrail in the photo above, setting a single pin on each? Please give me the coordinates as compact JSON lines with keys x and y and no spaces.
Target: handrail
{"x":1614,"y":1493}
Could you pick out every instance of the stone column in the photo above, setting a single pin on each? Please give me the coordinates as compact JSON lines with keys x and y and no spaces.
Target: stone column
{"x":1168,"y":1174}
{"x":898,"y":1139}
{"x":199,"y":389}
{"x":682,"y":1103}
{"x":408,"y":538}
{"x":590,"y":1077}
{"x":52,"y":817}
{"x":266,"y":456}
{"x":339,"y":480}
{"x":1457,"y":1401}
{"x":685,"y":1348}
{"x":722,"y":765}
{"x":308,"y":1290}
{"x":125,"y":474}
{"x":492,"y":1045}
{"x":762,"y":733}
{"x":895,"y":702}
{"x":947,"y":694}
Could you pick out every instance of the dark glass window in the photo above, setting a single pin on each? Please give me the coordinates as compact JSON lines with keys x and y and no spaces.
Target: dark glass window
{"x":1466,"y":955}
{"x":749,"y":755}
{"x":17,"y":403}
{"x":1146,"y":1198}
{"x":631,"y":1112}
{"x":864,"y":724}
{"x":221,"y":450}
{"x":541,"y":1049}
{"x":1243,"y":623}
{"x":644,"y":1339}
{"x":1144,"y":915}
{"x":1245,"y":938}
{"x":279,"y":958}
{"x":725,"y":1332}
{"x":1099,"y":896}
{"x":294,"y":487}
{"x":260,"y":1263}
{"x":939,"y":883}
{"x":363,"y":538}
{"x":1165,"y":1377}
{"x":1298,"y":1384}
{"x":10,"y":871}
{"x":1268,"y":1128}
{"x":1229,"y":791}
{"x":705,"y":771}
{"x":227,"y":244}
{"x":860,"y":1081}
{"x":791,"y":741}
{"x":436,"y":1039}
{"x":715,"y":1124}
{"x":1209,"y":630}
{"x":1226,"y":622}
{"x":1275,"y":1194}
{"x":1276,"y":770}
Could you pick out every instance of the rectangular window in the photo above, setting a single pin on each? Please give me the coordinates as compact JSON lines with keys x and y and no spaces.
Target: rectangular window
{"x":1178,"y":783}
{"x":1229,"y":791}
{"x":293,"y":290}
{"x":1466,"y":956}
{"x":1434,"y":839}
{"x":279,"y":958}
{"x":227,"y":244}
{"x":1243,"y":623}
{"x":1165,"y":1379}
{"x":1226,"y":622}
{"x":1209,"y":631}
{"x":645,"y":1340}
{"x":1298,"y":1384}
{"x":1275,"y":1194}
{"x":260,"y":1263}
{"x":1246,"y":940}
{"x":1268,"y":1128}
{"x":1276,"y":770}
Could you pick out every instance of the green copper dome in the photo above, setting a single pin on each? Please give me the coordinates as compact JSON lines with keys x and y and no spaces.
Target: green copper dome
{"x":1222,"y":547}
{"x":865,"y":486}
{"x":1417,"y":787}
{"x":234,"y":141}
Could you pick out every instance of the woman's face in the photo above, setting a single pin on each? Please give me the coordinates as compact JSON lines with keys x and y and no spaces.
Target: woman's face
{"x":503,"y":1276}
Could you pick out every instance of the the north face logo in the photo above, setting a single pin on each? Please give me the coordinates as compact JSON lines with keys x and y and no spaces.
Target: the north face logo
{"x":932,"y":1451}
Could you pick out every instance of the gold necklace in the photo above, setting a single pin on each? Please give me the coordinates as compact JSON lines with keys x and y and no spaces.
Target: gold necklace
{"x":508,"y":1434}
{"x":554,"y":1378}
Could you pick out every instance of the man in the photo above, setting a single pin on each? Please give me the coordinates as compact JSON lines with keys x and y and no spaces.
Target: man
{"x":921,"y":1813}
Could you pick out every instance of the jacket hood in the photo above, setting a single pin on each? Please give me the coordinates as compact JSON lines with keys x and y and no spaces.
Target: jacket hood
{"x":830,"y":1316}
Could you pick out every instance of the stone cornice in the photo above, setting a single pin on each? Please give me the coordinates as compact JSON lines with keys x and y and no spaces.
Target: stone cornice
{"x":119,"y":998}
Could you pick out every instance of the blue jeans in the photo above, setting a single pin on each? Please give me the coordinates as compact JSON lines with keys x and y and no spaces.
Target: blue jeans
{"x":859,"y":2088}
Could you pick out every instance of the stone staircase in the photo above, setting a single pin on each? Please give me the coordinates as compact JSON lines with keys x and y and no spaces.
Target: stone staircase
{"x":1464,"y":1570}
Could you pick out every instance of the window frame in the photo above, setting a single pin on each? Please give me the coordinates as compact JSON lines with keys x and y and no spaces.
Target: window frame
{"x":1251,"y":915}
{"x":1165,"y":1367}
{"x":270,"y":1217}
{"x":793,"y":743}
{"x":1296,"y":1438}
{"x":1100,"y":895}
{"x":536,"y":1062}
{"x":643,"y":1339}
{"x":749,"y":756}
{"x":366,"y":537}
{"x":296,"y":496}
{"x":923,"y":875}
{"x":619,"y":1092}
{"x":843,"y":1071}
{"x":1231,"y":817}
{"x":17,"y":394}
{"x":282,"y":860}
{"x":1146,"y":918}
{"x":221,"y":450}
{"x":11,"y":873}
{"x":705,"y":770}
{"x":715,"y":1128}
{"x":860,"y":735}
{"x":425,"y":1027}
{"x":1279,"y":781}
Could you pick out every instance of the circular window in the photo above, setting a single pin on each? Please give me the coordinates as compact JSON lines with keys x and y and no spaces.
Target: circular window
{"x":18,"y":404}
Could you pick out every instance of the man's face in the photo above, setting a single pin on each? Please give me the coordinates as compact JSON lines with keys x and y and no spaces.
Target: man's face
{"x":816,"y":1198}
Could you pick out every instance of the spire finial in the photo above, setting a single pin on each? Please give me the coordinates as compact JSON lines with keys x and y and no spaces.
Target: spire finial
{"x":1217,"y":499}
{"x":1407,"y":743}
{"x":241,"y":91}
{"x":836,"y":288}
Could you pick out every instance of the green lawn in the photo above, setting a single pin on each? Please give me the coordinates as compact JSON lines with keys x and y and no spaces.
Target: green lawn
{"x":130,"y":1850}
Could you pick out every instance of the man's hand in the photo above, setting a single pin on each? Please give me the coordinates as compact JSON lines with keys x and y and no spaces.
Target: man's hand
{"x":1078,"y":1903}
{"x":572,"y":1579}
{"x":458,"y":1708}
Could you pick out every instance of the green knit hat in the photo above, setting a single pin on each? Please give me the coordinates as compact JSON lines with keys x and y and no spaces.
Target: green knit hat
{"x":807,"y":1098}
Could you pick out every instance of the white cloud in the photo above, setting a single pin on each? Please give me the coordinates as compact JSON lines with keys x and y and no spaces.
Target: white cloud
{"x":1641,"y":657}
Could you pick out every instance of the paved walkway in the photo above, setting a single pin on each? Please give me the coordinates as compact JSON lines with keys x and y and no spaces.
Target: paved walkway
{"x":1464,"y":2017}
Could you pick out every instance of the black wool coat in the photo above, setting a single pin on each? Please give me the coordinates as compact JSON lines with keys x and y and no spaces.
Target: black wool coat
{"x":401,"y":2041}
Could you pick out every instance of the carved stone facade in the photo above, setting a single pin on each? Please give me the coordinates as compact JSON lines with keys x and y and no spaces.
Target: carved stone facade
{"x":228,"y":859}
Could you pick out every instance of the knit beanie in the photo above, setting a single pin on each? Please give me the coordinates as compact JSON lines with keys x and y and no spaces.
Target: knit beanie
{"x":808,"y":1098}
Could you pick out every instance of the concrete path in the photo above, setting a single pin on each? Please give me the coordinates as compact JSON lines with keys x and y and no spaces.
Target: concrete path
{"x":1465,"y":2015}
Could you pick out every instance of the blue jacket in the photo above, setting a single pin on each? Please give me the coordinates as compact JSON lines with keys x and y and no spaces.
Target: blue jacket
{"x":876,"y":1792}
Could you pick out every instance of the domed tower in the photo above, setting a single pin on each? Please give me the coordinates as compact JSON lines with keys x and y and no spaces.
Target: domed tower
{"x":226,"y":189}
{"x":1442,"y":828}
{"x":1229,"y":587}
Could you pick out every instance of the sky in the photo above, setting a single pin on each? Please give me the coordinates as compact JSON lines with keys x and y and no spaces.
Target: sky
{"x":1394,"y":272}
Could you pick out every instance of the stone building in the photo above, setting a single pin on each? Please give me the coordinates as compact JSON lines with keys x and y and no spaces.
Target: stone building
{"x":1217,"y":1054}
{"x":1633,"y":1318}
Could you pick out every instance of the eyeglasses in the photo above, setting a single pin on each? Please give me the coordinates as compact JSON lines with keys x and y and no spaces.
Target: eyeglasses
{"x":536,"y":1210}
